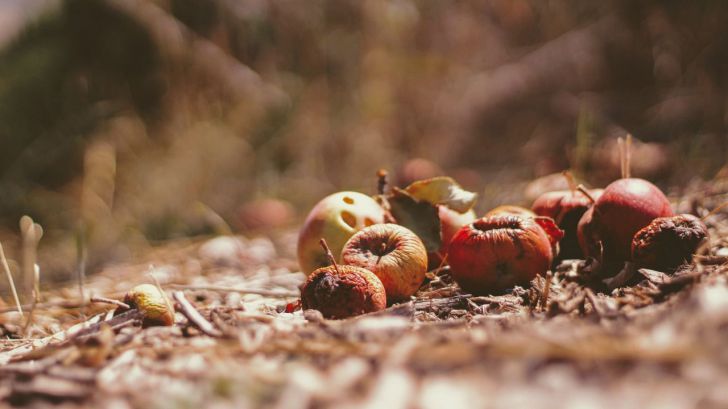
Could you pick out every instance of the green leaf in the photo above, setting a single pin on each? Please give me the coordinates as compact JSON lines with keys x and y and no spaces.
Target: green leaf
{"x":419,"y":216}
{"x":442,"y":190}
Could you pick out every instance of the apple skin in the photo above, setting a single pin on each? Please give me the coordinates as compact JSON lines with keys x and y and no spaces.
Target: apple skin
{"x":566,"y":207}
{"x":335,"y":218}
{"x":343,"y":291}
{"x":498,"y":252}
{"x":625,"y":207}
{"x":450,"y":222}
{"x":668,"y":242}
{"x":511,"y":209}
{"x":393,"y":253}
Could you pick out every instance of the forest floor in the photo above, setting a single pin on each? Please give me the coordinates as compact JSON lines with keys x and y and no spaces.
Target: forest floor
{"x":645,"y":339}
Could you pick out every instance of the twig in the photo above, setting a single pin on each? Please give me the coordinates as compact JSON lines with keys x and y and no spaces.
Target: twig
{"x":594,"y":302}
{"x":111,"y":301}
{"x":81,"y":261}
{"x":194,"y":316}
{"x":222,"y":289}
{"x":570,"y":180}
{"x":381,"y":181}
{"x":546,"y":291}
{"x":6,"y":267}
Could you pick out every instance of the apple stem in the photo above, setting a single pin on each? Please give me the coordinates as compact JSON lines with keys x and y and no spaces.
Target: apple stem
{"x":625,"y":155}
{"x":382,"y":180}
{"x":586,"y":193}
{"x":382,"y":249}
{"x":329,"y":255}
{"x":714,"y":211}
{"x":570,"y":180}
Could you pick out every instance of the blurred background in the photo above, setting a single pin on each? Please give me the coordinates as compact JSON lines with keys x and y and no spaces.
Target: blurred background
{"x":125,"y":123}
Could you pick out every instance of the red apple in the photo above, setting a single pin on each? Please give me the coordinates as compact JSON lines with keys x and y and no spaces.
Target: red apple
{"x":498,"y":252}
{"x":566,"y":207}
{"x":393,"y":253}
{"x":625,"y":207}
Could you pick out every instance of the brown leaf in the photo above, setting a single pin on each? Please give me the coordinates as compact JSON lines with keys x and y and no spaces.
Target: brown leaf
{"x":419,"y":216}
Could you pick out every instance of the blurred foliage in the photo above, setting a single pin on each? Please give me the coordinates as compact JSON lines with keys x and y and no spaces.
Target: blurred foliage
{"x":141,"y":121}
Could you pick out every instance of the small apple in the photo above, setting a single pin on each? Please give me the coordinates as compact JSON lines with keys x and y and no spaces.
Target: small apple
{"x":498,"y":252}
{"x":626,"y":206}
{"x":393,"y":253}
{"x":340,"y":291}
{"x":335,"y":218}
{"x":510,"y":210}
{"x":566,"y":207}
{"x":153,"y":304}
{"x":668,"y":242}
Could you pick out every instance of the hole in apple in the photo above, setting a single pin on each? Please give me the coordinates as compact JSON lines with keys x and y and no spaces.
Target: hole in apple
{"x":348,"y":200}
{"x":349,"y":219}
{"x":369,"y":222}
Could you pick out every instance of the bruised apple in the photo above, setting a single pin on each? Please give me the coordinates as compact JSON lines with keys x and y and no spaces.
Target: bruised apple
{"x":498,"y":252}
{"x":340,"y":291}
{"x":393,"y":253}
{"x":335,"y":218}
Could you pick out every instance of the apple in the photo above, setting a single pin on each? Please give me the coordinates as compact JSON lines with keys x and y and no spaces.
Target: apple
{"x":512,"y":210}
{"x":498,"y":252}
{"x":335,"y":218}
{"x":566,"y":207}
{"x":155,"y":307}
{"x":393,"y":253}
{"x":626,"y":206}
{"x":340,"y":291}
{"x":668,"y":242}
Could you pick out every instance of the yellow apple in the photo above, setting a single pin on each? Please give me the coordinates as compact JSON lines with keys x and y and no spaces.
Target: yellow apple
{"x":335,"y":218}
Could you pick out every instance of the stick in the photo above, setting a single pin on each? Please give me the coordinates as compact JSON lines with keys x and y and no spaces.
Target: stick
{"x":628,"y":156}
{"x":222,"y":289}
{"x":6,"y":267}
{"x":105,"y":300}
{"x":194,"y":316}
{"x":570,"y":180}
{"x":381,"y":181}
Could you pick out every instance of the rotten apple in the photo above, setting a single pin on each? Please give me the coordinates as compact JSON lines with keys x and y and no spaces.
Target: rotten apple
{"x":393,"y":253}
{"x":335,"y":218}
{"x":668,"y":242}
{"x":566,"y":207}
{"x":340,"y":291}
{"x":498,"y":252}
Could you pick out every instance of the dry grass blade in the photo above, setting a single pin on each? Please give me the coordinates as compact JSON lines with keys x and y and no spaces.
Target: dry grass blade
{"x":11,"y":282}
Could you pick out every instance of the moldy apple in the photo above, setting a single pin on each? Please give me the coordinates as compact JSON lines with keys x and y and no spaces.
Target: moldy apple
{"x":341,"y":291}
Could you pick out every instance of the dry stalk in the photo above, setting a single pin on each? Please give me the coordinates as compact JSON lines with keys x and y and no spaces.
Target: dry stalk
{"x":6,"y":267}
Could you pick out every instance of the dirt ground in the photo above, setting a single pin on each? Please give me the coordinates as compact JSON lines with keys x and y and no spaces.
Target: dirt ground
{"x":642,"y":339}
